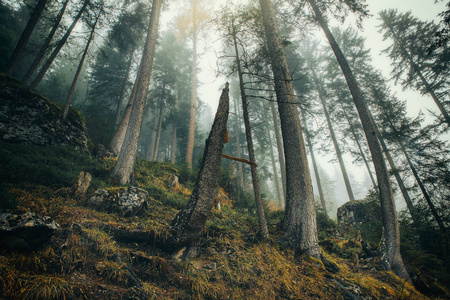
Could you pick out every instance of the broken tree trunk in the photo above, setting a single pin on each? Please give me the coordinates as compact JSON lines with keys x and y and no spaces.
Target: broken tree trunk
{"x":188,"y":225}
{"x":240,"y":159}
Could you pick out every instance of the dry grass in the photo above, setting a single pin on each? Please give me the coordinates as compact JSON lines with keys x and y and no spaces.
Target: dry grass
{"x":232,"y":263}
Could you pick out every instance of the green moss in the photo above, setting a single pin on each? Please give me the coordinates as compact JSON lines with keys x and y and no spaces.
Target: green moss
{"x":7,"y":200}
{"x":52,"y":166}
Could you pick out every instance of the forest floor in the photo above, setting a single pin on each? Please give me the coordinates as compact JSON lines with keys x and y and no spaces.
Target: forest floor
{"x":81,"y":259}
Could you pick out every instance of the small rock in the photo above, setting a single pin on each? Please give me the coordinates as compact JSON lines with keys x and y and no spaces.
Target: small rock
{"x":25,"y":230}
{"x":173,"y":182}
{"x":256,"y":270}
{"x":130,"y":202}
{"x":354,"y":213}
{"x":210,"y":267}
{"x":82,"y":185}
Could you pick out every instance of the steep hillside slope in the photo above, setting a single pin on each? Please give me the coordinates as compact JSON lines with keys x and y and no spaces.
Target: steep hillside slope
{"x":93,"y":254}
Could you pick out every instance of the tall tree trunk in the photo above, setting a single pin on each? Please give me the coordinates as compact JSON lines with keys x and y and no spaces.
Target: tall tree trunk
{"x":80,"y":66}
{"x":333,"y":138}
{"x":422,"y":187}
{"x":59,"y":45}
{"x":416,"y":69}
{"x":188,"y":225}
{"x":173,"y":147}
{"x":151,"y":149}
{"x":361,"y":152}
{"x":391,"y":257}
{"x":264,"y":232}
{"x":193,"y":105}
{"x":396,"y":173}
{"x":26,"y":78}
{"x":158,"y":131}
{"x":313,"y":158}
{"x":127,"y":156}
{"x":25,"y":37}
{"x":275,"y":172}
{"x":300,"y":214}
{"x":238,"y":142}
{"x":119,"y":135}
{"x":123,"y":91}
{"x":279,"y":147}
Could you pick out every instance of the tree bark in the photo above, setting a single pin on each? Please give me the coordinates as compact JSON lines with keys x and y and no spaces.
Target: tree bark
{"x":26,"y":78}
{"x":158,"y":131}
{"x":25,"y":37}
{"x":80,"y":66}
{"x":188,"y":225}
{"x":398,"y":178}
{"x":264,"y":232}
{"x":173,"y":147}
{"x":333,"y":138}
{"x":122,"y":91}
{"x":391,"y":257}
{"x":119,"y":135}
{"x":356,"y":138}
{"x":279,"y":147}
{"x":238,"y":143}
{"x":275,"y":172}
{"x":127,"y":156}
{"x":151,"y":149}
{"x":193,"y":105}
{"x":313,"y":158}
{"x":300,"y":213}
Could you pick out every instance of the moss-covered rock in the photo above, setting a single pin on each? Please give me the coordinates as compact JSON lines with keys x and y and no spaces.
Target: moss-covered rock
{"x":27,"y":117}
{"x":130,"y":201}
{"x":354,"y":213}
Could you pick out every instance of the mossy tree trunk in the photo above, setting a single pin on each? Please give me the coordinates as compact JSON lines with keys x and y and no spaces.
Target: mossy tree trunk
{"x":300,"y":213}
{"x":128,"y":152}
{"x":391,"y":257}
{"x":187,"y":227}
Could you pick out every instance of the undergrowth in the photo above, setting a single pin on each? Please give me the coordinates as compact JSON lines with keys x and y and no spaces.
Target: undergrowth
{"x":55,"y":166}
{"x":86,"y":259}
